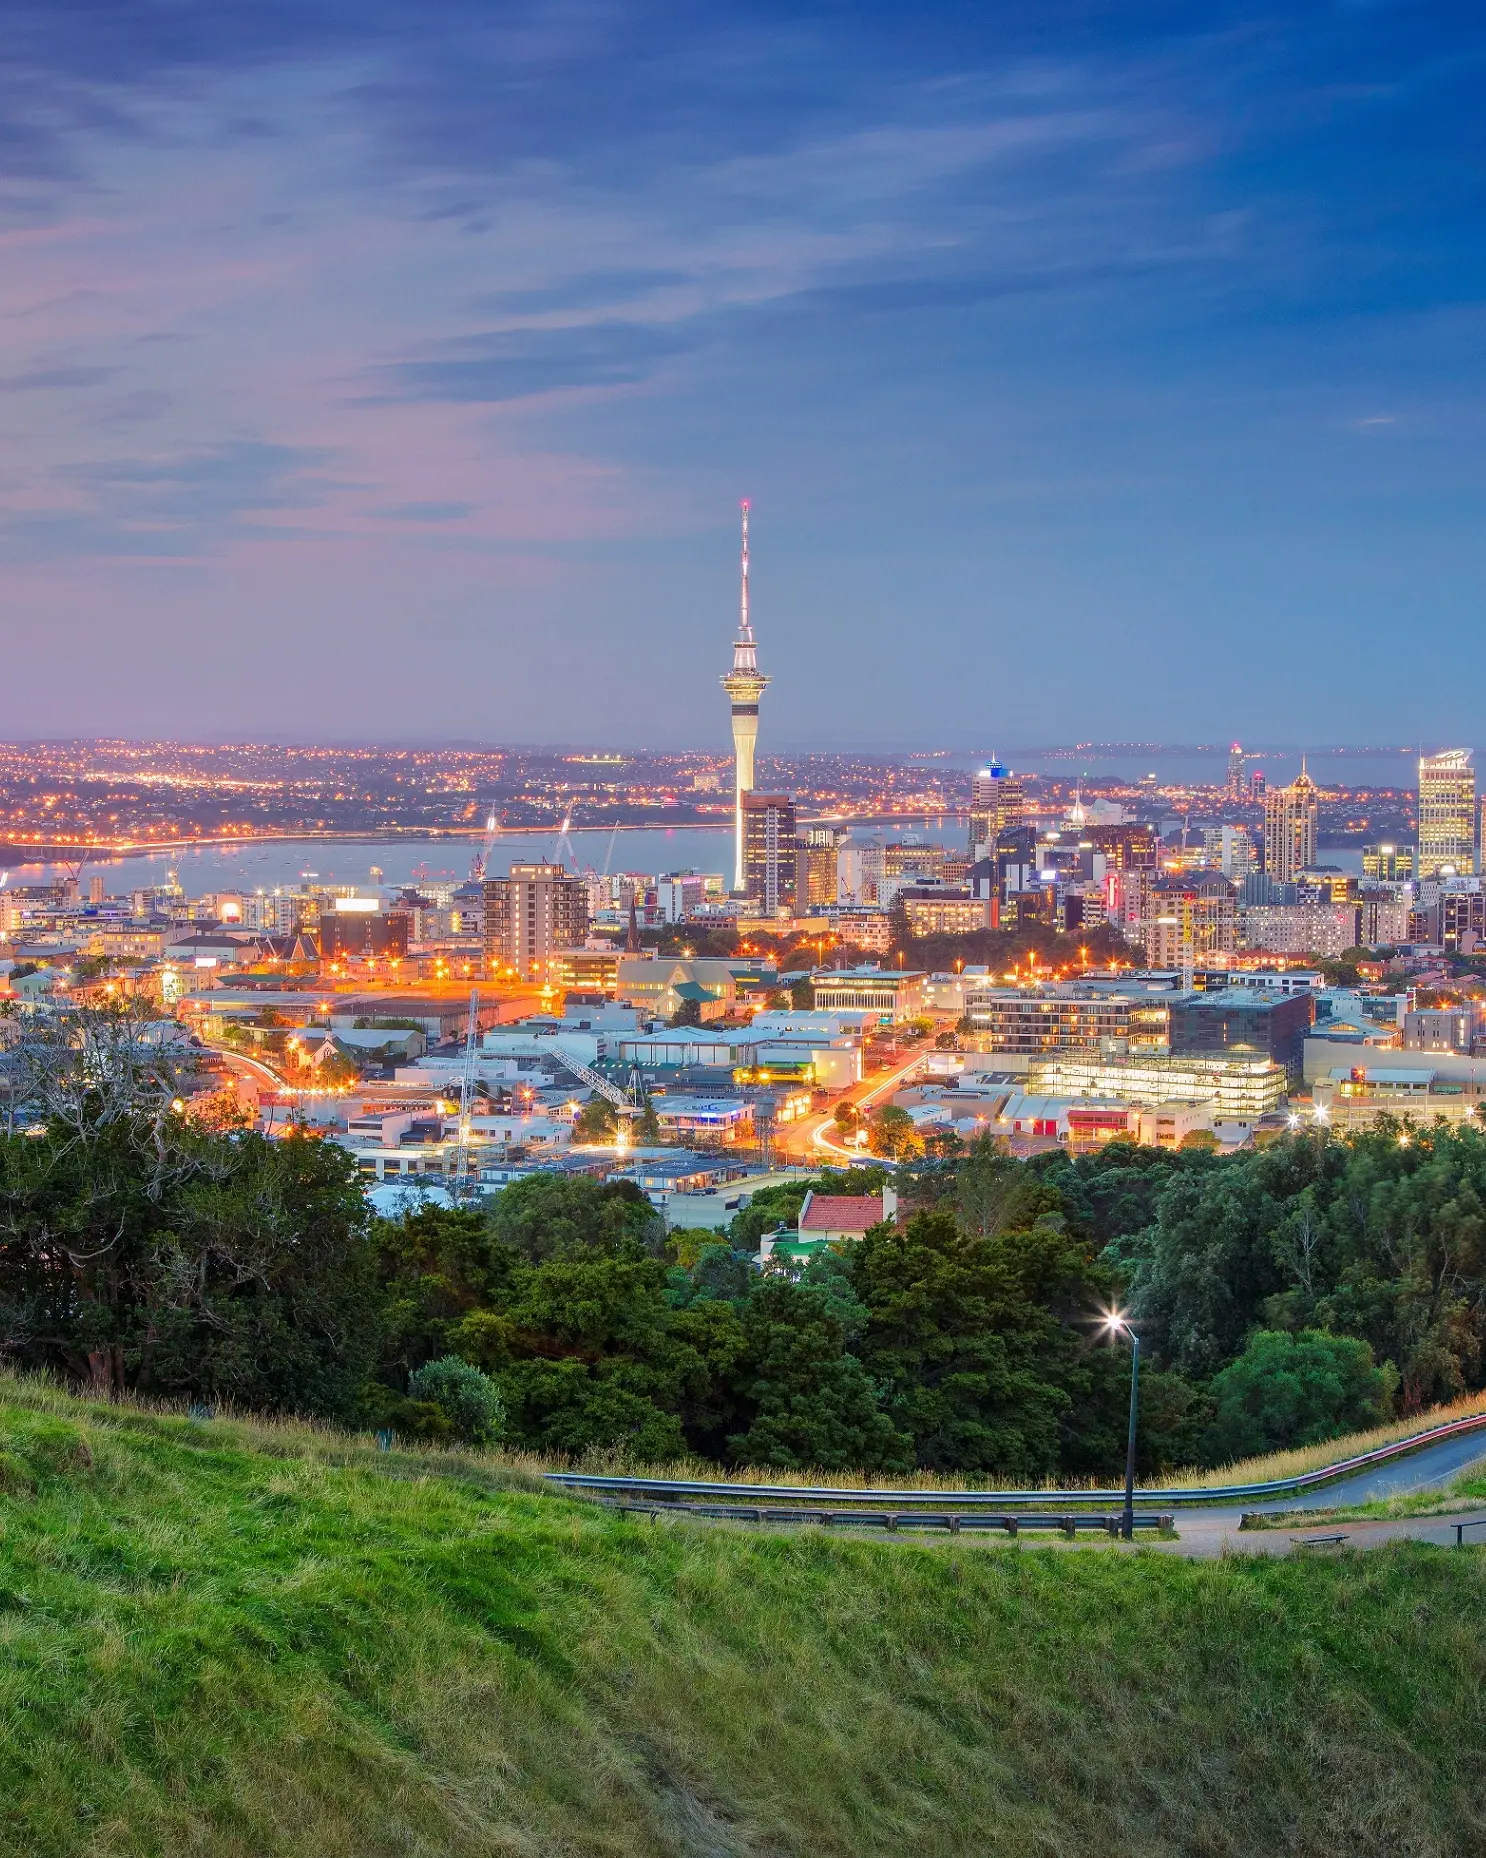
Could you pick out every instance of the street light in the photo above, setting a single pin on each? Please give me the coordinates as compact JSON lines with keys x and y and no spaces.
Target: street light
{"x":1116,"y":1323}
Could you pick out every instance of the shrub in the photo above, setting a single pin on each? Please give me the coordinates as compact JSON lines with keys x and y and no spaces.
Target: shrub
{"x":1287,"y":1390}
{"x":469,"y":1399}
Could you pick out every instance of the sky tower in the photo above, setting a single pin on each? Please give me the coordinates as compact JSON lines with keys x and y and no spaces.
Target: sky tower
{"x":744,"y":685}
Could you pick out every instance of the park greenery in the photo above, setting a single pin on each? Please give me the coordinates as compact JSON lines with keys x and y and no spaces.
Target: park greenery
{"x":1283,"y":1295}
{"x":267,"y":1640}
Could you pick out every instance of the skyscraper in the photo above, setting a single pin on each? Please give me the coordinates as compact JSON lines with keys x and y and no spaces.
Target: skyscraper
{"x":770,"y":852}
{"x":818,"y":872}
{"x":998,"y":801}
{"x":1235,"y":772}
{"x":531,"y":915}
{"x":1447,"y":813}
{"x":1290,"y":818}
{"x":744,"y":685}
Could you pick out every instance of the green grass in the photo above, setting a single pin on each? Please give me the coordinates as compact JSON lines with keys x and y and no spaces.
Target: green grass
{"x":239,"y":1640}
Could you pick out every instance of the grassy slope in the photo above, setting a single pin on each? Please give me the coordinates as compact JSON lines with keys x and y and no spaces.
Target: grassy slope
{"x":221,"y":1639}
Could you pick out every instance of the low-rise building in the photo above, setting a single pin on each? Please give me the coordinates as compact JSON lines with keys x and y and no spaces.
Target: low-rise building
{"x":1357,"y":1097}
{"x":1033,"y":1023}
{"x":891,"y":993}
{"x":1230,"y":1089}
{"x":1243,"y":1022}
{"x":662,"y":985}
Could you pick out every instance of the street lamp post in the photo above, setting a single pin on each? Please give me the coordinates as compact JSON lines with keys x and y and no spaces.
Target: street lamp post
{"x":1117,"y":1324}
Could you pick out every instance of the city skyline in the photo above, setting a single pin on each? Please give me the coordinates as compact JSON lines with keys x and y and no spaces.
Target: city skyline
{"x":399,"y":376}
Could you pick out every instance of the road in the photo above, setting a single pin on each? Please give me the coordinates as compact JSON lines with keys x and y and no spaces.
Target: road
{"x":1202,"y":1529}
{"x":1205,"y":1533}
{"x":818,"y":1135}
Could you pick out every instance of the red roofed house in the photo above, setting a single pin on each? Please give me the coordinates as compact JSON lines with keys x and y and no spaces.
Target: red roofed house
{"x":833,"y":1217}
{"x":830,"y":1219}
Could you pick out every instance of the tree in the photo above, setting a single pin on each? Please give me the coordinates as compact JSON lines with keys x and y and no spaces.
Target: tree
{"x":152,"y":1255}
{"x":595,"y":1121}
{"x":812,"y":1403}
{"x":547,"y":1216}
{"x":1288,"y":1390}
{"x":965,"y":1335}
{"x":890,"y":1133}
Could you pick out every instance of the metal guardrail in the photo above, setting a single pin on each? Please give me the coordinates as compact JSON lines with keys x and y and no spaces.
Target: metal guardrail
{"x":954,"y":1521}
{"x":674,"y":1490}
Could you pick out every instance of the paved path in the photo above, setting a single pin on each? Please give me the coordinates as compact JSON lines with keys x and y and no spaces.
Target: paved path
{"x":1212,"y":1532}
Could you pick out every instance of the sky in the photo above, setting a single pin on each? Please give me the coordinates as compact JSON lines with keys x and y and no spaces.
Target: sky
{"x":1097,"y":369}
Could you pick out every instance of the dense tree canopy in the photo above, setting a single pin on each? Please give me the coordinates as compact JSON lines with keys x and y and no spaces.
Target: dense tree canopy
{"x":1283,"y":1295}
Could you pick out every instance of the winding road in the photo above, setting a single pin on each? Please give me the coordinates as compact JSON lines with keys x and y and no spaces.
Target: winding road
{"x":1204,"y":1528}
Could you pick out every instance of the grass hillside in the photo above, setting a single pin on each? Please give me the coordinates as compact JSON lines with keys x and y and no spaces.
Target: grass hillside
{"x":224,"y":1639}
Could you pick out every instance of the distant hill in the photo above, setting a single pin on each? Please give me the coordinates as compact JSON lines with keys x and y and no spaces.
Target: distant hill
{"x":243,"y":1640}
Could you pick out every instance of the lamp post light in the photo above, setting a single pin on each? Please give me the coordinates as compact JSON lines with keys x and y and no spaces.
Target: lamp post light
{"x":1116,"y":1323}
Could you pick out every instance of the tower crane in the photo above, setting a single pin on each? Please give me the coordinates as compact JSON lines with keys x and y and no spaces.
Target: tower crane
{"x":460,"y":1185}
{"x":487,"y":845}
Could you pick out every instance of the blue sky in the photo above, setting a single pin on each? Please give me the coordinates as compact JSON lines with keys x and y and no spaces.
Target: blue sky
{"x":1104,"y":371}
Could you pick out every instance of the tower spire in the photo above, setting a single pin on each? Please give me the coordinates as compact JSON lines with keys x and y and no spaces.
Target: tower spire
{"x":744,"y":685}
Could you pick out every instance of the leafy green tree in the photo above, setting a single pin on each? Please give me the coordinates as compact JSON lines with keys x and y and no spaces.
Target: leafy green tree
{"x":890,"y":1133}
{"x":769,"y":1208}
{"x":966,"y":1335}
{"x":1288,"y":1390}
{"x":812,"y":1403}
{"x":142,"y":1253}
{"x":552,"y":1215}
{"x":595,"y":1121}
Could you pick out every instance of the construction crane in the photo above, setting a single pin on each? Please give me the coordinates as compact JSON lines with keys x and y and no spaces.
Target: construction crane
{"x":460,"y":1185}
{"x":482,"y":857}
{"x":623,"y":1101}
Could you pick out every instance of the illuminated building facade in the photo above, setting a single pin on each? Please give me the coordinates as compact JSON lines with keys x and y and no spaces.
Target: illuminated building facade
{"x":1240,"y":1089}
{"x":1291,"y":815}
{"x":770,"y":852}
{"x":1392,"y":863}
{"x":819,"y":867}
{"x":530,"y":917}
{"x":998,"y":802}
{"x":1447,"y":814}
{"x":1193,"y":918}
{"x":1006,"y":1019}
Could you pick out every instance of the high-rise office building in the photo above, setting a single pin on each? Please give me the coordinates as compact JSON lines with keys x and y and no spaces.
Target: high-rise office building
{"x":745,"y":684}
{"x":1256,"y":787}
{"x":770,"y":852}
{"x":1291,"y":815}
{"x":1447,"y":813}
{"x":1194,"y":917}
{"x":1235,"y":771}
{"x":998,"y":802}
{"x":1391,"y":863}
{"x":819,"y":867}
{"x":530,"y":916}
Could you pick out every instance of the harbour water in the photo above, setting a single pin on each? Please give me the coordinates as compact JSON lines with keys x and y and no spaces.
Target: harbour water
{"x":264,"y":864}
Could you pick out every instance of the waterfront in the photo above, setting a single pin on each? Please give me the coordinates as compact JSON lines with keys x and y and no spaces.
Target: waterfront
{"x":262,"y":864}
